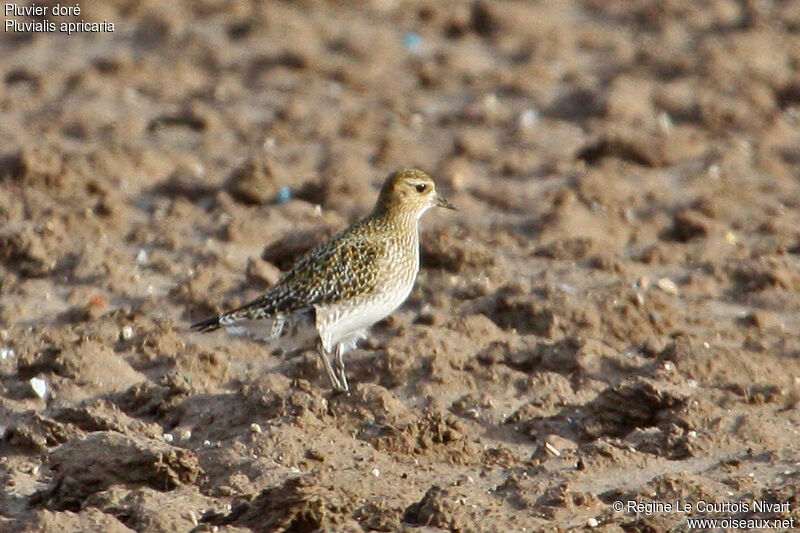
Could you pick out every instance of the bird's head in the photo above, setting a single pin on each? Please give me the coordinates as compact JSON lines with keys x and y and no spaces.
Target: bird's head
{"x":410,"y":192}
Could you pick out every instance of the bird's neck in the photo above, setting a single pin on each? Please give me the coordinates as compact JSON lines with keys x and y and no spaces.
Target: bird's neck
{"x":401,"y":221}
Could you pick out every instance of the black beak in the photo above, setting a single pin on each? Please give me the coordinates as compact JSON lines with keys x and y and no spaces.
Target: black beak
{"x":442,"y":202}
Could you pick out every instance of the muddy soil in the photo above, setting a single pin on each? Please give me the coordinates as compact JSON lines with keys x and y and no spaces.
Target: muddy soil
{"x":612,"y":315}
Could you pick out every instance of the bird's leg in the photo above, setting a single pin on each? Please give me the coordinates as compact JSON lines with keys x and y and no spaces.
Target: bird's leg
{"x":326,"y":362}
{"x":340,"y":365}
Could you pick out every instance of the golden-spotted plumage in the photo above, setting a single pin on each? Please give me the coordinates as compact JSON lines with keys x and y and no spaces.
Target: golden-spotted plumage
{"x":337,"y":290}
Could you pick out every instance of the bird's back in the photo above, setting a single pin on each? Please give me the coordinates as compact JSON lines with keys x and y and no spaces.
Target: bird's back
{"x":352,"y":264}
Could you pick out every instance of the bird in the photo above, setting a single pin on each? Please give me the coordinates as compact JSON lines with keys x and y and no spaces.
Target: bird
{"x":336,"y":291}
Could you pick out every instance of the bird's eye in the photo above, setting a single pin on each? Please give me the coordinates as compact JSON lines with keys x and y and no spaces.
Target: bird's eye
{"x":420,"y":187}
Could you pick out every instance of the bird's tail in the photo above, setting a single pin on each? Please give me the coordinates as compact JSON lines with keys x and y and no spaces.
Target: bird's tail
{"x":209,"y":324}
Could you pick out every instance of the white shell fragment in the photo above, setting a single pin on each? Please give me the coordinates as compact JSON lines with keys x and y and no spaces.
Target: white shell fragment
{"x":552,"y":450}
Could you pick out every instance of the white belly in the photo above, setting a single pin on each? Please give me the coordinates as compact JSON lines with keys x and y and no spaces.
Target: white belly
{"x":346,"y":323}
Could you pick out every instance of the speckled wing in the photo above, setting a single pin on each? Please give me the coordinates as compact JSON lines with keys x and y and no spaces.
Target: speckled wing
{"x":339,"y":269}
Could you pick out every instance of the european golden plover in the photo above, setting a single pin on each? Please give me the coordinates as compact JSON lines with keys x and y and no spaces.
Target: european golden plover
{"x":337,"y":290}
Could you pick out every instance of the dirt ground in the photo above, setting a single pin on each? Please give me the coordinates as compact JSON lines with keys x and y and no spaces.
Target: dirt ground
{"x":612,"y":315}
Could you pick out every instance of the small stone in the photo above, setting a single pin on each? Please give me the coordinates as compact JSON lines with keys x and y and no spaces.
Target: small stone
{"x":592,"y":522}
{"x":763,"y":319}
{"x":654,"y":345}
{"x":665,"y":122}
{"x":412,"y":42}
{"x":667,"y":285}
{"x":168,"y":437}
{"x":142,"y":256}
{"x":375,"y":472}
{"x":284,"y":195}
{"x":7,"y":353}
{"x":39,"y":386}
{"x":255,"y":182}
{"x":255,"y":428}
{"x":126,"y":333}
{"x":316,"y":455}
{"x":528,"y":119}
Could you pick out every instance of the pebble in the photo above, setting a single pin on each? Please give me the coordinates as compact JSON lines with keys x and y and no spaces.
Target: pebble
{"x":412,"y":41}
{"x":284,"y":195}
{"x":126,"y":333}
{"x":168,"y":437}
{"x":39,"y":386}
{"x":592,"y":522}
{"x":640,"y":301}
{"x":667,"y":285}
{"x":7,"y":353}
{"x":528,"y":119}
{"x":665,"y":122}
{"x":255,"y":428}
{"x":142,"y":256}
{"x":376,"y":472}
